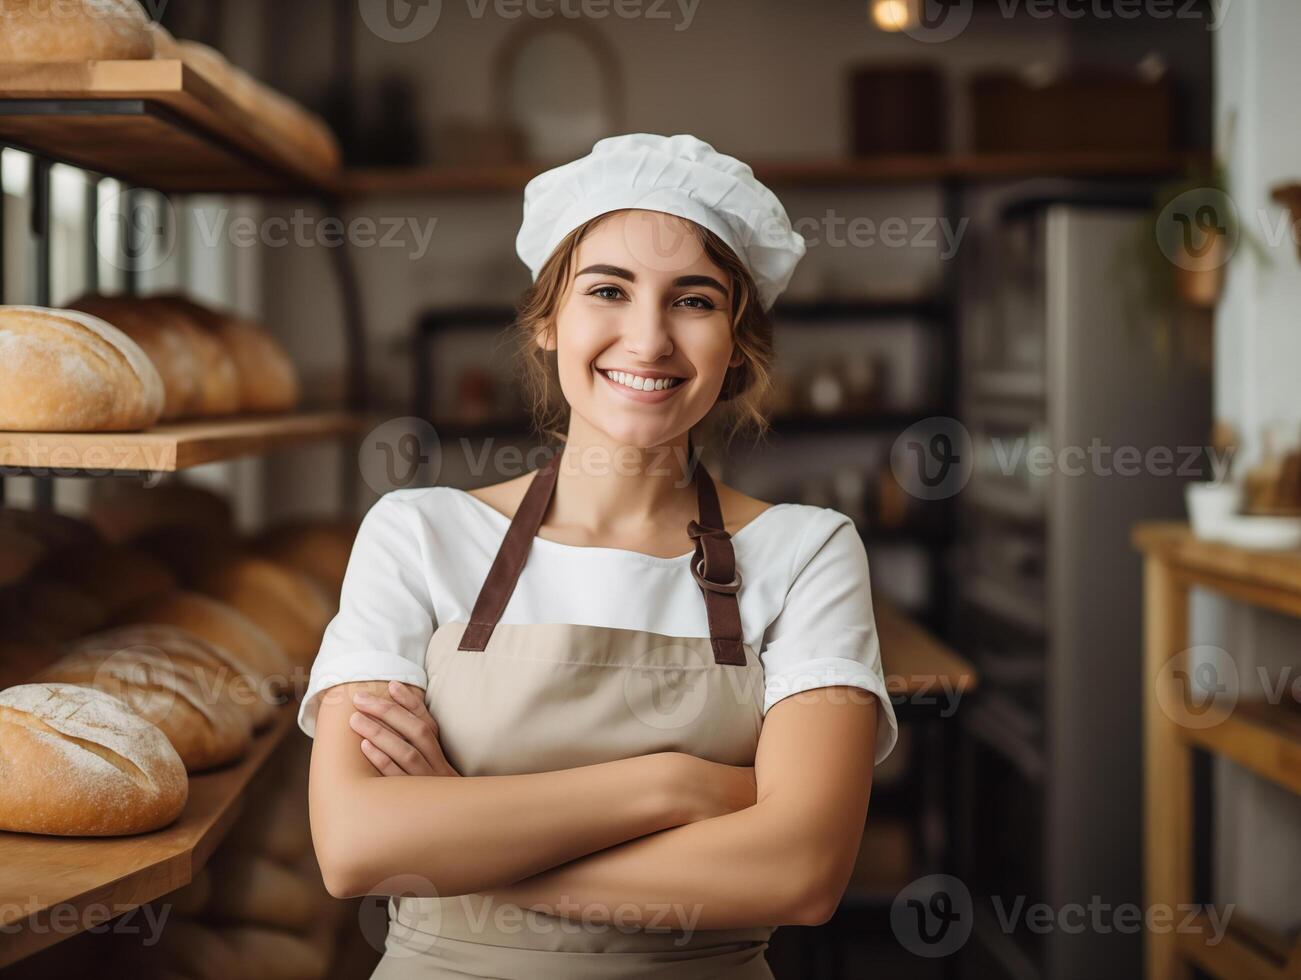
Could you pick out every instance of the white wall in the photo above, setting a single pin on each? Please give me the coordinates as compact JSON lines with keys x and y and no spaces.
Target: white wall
{"x":1258,"y":361}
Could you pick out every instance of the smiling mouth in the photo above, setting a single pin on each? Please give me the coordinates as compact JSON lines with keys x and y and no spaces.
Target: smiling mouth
{"x":639,"y":383}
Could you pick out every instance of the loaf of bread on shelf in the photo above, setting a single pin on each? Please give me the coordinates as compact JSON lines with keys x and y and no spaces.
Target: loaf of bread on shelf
{"x":116,"y":575}
{"x":20,"y":660}
{"x":74,"y":30}
{"x":77,"y":761}
{"x":170,"y":350}
{"x":218,"y":392}
{"x":57,"y":532}
{"x":287,"y":604}
{"x":20,"y":552}
{"x":65,"y":371}
{"x":316,"y":547}
{"x":268,"y":380}
{"x":251,"y":889}
{"x":47,"y":611}
{"x":165,"y":45}
{"x":121,"y":510}
{"x":206,"y":730}
{"x":189,"y":551}
{"x":221,"y":675}
{"x":221,"y":625}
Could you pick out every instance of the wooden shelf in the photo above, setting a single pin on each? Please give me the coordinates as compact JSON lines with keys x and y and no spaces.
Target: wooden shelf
{"x":76,"y":879}
{"x":154,"y":124}
{"x":1262,"y":738}
{"x":898,"y":169}
{"x":1263,"y":578}
{"x":1247,"y":951}
{"x":166,"y":448}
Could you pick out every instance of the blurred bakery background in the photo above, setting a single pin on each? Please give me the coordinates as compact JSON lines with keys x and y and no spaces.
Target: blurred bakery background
{"x":1043,"y":349}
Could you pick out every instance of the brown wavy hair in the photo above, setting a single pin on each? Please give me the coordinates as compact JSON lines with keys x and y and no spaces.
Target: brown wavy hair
{"x":743,"y":400}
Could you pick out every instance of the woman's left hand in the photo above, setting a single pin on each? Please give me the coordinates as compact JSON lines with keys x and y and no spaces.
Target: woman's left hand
{"x":399,"y":735}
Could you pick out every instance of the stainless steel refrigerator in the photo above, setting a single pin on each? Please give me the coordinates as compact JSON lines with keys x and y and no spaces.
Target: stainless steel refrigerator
{"x":1059,"y":353}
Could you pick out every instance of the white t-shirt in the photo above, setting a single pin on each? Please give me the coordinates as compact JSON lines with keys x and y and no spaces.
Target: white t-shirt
{"x":421,"y":556}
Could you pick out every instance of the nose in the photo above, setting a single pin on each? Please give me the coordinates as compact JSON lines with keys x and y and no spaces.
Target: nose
{"x":646,"y":333}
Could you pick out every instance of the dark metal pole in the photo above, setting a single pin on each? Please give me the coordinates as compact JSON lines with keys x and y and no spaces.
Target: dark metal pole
{"x":92,"y":232}
{"x":40,"y":217}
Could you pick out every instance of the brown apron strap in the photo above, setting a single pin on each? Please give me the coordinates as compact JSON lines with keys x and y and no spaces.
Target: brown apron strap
{"x":713,"y":565}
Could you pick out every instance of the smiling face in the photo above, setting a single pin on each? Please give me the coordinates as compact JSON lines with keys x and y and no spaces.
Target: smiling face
{"x":643,"y":330}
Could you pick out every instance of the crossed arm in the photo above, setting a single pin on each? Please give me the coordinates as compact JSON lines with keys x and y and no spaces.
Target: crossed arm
{"x":620,"y":841}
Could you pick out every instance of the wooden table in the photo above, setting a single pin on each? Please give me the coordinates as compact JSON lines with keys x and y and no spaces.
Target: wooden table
{"x":1262,"y":738}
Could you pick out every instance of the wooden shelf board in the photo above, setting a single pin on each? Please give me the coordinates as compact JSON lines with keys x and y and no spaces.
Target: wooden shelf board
{"x":1247,"y":951}
{"x":78,"y":882}
{"x":170,"y":447}
{"x":1264,"y":578}
{"x":895,"y":169}
{"x":188,"y":135}
{"x":1262,"y":738}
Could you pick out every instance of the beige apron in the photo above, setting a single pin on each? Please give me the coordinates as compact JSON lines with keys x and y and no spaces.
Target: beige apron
{"x":538,"y":698}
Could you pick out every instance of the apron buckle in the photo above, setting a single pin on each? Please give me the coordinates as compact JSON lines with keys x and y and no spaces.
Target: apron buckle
{"x":698,"y":572}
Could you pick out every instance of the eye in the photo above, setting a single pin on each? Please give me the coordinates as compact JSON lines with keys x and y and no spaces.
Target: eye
{"x":603,"y":292}
{"x":698,"y":302}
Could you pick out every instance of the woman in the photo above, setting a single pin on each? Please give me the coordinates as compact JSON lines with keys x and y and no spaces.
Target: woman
{"x":641,"y":709}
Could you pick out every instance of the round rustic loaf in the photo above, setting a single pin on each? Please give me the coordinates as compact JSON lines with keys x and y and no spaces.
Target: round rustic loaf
{"x":118,"y":576}
{"x":58,"y":532}
{"x":218,"y":375}
{"x":206,"y":731}
{"x":171,"y":351}
{"x":287,"y":604}
{"x":19,"y":554}
{"x":189,"y":551}
{"x":221,"y":625}
{"x":77,"y":761}
{"x":220,"y":674}
{"x":319,"y":548}
{"x":65,"y":371}
{"x":121,"y":510}
{"x":74,"y":30}
{"x":254,"y":890}
{"x":47,"y":611}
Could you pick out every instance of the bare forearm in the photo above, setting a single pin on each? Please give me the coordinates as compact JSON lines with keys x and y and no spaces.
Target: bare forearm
{"x":733,"y":871}
{"x":453,"y":835}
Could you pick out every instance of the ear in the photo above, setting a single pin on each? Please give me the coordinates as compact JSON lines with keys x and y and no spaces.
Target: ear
{"x":545,"y":337}
{"x":737,"y":357}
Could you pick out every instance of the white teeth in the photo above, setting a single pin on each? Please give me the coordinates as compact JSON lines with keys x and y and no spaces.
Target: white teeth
{"x":640,"y":383}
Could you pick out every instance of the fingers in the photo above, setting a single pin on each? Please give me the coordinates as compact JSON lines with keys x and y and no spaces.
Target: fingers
{"x":385,"y":765}
{"x":407,"y":757}
{"x":412,"y":724}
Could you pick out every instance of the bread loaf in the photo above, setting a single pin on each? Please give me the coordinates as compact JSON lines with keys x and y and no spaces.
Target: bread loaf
{"x":19,"y":554}
{"x":57,"y":532}
{"x":117,"y":576}
{"x":122,"y":510}
{"x":206,"y":731}
{"x":221,"y":625}
{"x":319,"y":548}
{"x":47,"y":611}
{"x":165,"y":45}
{"x":288,"y":605}
{"x":254,"y":890}
{"x":222,"y":676}
{"x":268,"y":381}
{"x":64,"y":371}
{"x":188,"y":552}
{"x":21,"y":661}
{"x":170,"y":350}
{"x":218,"y":377}
{"x":77,"y":761}
{"x":74,"y":30}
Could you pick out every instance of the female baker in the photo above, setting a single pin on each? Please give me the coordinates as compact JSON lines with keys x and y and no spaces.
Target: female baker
{"x":608,"y":718}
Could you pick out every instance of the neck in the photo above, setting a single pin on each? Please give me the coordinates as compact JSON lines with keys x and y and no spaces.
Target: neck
{"x":607,"y":487}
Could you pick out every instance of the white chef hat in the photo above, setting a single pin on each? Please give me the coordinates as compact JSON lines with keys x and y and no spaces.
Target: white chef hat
{"x":678,"y":175}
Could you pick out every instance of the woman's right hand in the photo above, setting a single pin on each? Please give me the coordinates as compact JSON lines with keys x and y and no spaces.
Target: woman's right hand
{"x":711,"y":789}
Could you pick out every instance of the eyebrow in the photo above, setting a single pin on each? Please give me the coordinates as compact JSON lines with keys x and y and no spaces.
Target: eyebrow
{"x":621,"y":273}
